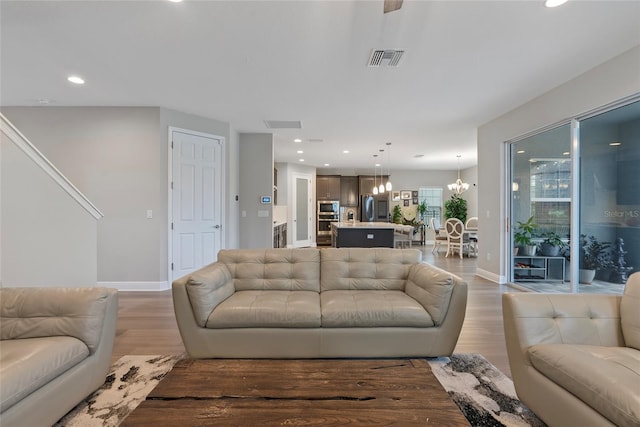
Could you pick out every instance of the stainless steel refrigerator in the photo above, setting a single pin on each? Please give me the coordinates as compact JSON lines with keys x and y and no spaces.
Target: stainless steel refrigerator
{"x":374,"y":208}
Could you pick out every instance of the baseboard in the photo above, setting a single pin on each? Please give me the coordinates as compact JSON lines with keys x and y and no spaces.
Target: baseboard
{"x":495,"y":278}
{"x":136,"y":286}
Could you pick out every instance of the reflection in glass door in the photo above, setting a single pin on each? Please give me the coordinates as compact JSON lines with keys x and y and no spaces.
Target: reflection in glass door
{"x":541,"y":210}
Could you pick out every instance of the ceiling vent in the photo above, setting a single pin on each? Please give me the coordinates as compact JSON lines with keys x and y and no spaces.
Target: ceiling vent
{"x":385,"y":58}
{"x":283,"y":124}
{"x":315,"y":140}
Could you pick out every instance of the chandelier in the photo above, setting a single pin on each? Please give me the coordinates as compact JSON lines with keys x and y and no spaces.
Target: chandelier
{"x":458,"y":187}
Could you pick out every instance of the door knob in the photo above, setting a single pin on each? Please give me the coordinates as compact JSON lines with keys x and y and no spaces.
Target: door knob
{"x":217,"y":226}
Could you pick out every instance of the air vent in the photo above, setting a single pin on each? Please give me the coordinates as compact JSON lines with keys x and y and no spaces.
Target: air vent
{"x":283,"y":124}
{"x":315,"y":140}
{"x":385,"y":58}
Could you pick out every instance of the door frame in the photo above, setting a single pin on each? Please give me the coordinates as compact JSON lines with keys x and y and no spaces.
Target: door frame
{"x":223,"y":205}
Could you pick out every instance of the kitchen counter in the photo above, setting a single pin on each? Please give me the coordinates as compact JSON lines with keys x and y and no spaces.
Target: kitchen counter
{"x":362,"y":234}
{"x":358,"y":224}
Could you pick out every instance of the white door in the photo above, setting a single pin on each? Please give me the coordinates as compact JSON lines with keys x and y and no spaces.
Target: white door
{"x":302,"y":211}
{"x":196,"y":220}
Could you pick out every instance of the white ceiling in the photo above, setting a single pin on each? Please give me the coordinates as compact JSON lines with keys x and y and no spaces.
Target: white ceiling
{"x":466,"y":63}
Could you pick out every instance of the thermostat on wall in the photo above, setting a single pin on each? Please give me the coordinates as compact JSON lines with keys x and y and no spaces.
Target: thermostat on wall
{"x":265,"y":200}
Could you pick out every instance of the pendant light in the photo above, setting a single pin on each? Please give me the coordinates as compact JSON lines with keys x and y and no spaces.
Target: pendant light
{"x":375,"y":187}
{"x":381,"y":188}
{"x":389,"y":187}
{"x":458,"y":187}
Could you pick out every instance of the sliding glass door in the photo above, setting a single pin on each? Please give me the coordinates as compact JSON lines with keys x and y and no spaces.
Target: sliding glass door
{"x":606,"y":158}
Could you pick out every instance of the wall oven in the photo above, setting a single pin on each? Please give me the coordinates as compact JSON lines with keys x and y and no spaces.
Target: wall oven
{"x":328,"y":212}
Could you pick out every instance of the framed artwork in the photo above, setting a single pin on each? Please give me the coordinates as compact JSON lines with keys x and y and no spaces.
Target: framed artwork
{"x":415,"y":200}
{"x":414,"y":194}
{"x":406,"y":202}
{"x":395,"y":196}
{"x":405,"y":195}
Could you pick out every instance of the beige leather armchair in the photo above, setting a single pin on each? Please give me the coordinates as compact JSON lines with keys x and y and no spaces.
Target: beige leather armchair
{"x":55,"y":350}
{"x":575,"y":358}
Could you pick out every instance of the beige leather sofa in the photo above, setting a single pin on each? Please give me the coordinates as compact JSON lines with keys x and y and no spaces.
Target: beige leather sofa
{"x":315,"y":303}
{"x":55,"y":350}
{"x":575,"y":359}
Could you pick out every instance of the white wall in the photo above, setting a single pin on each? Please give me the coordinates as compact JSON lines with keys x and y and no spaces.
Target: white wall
{"x":118,"y":157}
{"x":48,"y":239}
{"x":256,"y":179}
{"x":611,"y":81}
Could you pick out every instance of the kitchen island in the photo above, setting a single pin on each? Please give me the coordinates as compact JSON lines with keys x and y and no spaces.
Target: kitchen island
{"x":362,"y":234}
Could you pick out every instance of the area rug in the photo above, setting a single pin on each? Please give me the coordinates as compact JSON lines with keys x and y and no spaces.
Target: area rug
{"x":484,"y":394}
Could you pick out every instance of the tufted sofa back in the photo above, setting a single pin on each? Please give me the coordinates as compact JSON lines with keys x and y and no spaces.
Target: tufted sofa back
{"x":46,"y":312}
{"x":366,"y":268}
{"x":273,"y":269}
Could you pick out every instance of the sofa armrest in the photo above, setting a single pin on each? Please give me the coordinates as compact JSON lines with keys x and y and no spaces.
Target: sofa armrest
{"x":84,"y":313}
{"x":535,"y":318}
{"x":444,"y":296}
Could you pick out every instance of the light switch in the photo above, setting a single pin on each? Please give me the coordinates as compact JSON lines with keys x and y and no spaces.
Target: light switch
{"x":244,"y":214}
{"x":149,"y":214}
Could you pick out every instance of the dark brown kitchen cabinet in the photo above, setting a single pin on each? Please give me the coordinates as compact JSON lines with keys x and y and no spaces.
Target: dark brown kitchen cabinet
{"x":349,"y":191}
{"x":367,"y":183}
{"x":328,"y":187}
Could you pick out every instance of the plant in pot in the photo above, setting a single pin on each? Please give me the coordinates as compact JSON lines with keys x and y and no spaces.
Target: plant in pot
{"x":422,"y":210}
{"x":594,"y":256}
{"x":551,"y":244}
{"x":397,"y":214}
{"x":456,"y":207}
{"x":522,"y":237}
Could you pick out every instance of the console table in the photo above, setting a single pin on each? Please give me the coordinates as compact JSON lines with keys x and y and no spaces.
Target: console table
{"x":538,"y":268}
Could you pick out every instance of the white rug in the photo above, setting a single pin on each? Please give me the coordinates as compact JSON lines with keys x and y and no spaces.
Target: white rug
{"x":484,"y":394}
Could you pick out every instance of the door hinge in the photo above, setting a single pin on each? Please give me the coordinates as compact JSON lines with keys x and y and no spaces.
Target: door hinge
{"x":171,"y":266}
{"x":172,"y":226}
{"x":172,"y":185}
{"x":172,"y":145}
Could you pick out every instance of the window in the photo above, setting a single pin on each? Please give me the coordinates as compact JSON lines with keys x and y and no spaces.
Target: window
{"x":433,"y":197}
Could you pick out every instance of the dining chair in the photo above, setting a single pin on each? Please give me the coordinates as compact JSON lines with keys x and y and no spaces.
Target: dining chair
{"x":440,"y":236}
{"x":472,"y":225}
{"x":455,"y":236}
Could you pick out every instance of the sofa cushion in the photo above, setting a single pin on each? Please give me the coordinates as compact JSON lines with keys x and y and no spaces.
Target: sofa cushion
{"x":366,"y":268}
{"x":267,"y":309}
{"x":605,"y":378}
{"x":75,"y":312}
{"x":347,"y":309}
{"x":207,"y":288}
{"x":273,"y":269}
{"x":28,"y":364}
{"x":630,"y":312}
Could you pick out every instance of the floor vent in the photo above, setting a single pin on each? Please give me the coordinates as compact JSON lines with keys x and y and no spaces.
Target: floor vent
{"x":385,"y":58}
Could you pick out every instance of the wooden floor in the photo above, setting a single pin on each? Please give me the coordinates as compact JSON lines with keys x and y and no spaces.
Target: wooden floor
{"x":146,"y":322}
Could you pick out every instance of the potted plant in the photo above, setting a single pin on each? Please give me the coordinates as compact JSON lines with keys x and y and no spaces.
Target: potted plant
{"x":595,"y":256}
{"x":456,"y":207}
{"x":551,"y":244}
{"x":397,"y":214}
{"x":523,"y":236}
{"x":422,"y":210}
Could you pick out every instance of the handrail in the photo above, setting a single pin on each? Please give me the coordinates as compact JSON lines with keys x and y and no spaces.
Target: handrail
{"x":15,"y":136}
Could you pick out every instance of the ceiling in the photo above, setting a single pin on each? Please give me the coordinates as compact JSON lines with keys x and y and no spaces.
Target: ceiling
{"x":242,"y":62}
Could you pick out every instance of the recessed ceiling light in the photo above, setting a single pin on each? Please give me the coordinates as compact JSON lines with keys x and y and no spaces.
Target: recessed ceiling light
{"x":327,"y":164}
{"x":301,"y":160}
{"x":377,"y":165}
{"x":75,"y":79}
{"x":520,"y":151}
{"x":346,"y":151}
{"x":175,"y":1}
{"x":299,"y":151}
{"x":615,"y":143}
{"x":554,"y":3}
{"x":297,"y":140}
{"x":566,"y":153}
